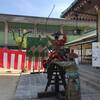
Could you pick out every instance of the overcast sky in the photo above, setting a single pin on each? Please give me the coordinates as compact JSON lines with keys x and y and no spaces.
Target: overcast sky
{"x":41,"y":8}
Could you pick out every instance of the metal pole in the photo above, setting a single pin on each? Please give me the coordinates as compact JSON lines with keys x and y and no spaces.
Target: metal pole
{"x":48,"y":17}
{"x":81,"y":54}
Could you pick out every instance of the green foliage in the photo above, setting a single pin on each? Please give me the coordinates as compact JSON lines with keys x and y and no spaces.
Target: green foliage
{"x":19,"y":40}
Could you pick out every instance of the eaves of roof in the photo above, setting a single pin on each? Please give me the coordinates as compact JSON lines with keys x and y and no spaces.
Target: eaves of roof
{"x":82,"y":38}
{"x":69,"y":8}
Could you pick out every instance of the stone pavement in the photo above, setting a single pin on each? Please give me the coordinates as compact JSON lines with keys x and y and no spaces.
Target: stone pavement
{"x":8,"y":83}
{"x":30,"y":84}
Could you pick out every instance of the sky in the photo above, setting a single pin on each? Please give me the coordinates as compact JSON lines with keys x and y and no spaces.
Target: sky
{"x":40,"y":8}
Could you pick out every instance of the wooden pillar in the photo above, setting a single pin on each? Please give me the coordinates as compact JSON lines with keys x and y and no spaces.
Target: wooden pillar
{"x":6,"y":34}
{"x":81,"y":54}
{"x":98,"y":25}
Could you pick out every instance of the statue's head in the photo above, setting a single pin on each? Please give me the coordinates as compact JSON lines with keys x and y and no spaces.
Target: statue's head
{"x":56,"y":35}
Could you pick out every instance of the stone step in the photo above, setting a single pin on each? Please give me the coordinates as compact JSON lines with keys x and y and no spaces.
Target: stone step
{"x":90,"y":76}
{"x":87,"y":88}
{"x":88,"y":81}
{"x":90,"y":71}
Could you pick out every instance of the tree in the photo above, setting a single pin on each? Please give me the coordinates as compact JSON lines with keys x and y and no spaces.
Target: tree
{"x":21,"y":41}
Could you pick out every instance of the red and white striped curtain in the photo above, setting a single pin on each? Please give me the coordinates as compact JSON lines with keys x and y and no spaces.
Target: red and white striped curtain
{"x":16,"y":60}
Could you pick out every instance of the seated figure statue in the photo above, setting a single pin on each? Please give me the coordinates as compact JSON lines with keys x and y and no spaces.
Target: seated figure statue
{"x":59,"y":54}
{"x":64,"y":60}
